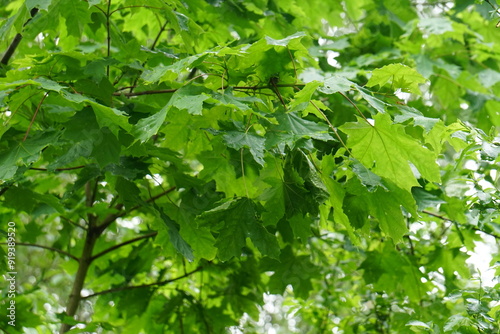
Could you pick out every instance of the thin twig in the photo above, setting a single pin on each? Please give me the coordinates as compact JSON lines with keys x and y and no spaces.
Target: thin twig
{"x":144,"y":285}
{"x":106,"y":251}
{"x":355,"y":107}
{"x":456,"y":223}
{"x":276,"y":91}
{"x":157,"y":38}
{"x":293,"y":63}
{"x":173,"y":90}
{"x":112,"y":217}
{"x":57,"y":169}
{"x":331,"y":126}
{"x":108,"y":31}
{"x":135,"y":6}
{"x":44,"y":247}
{"x":243,"y":172}
{"x":34,"y":115}
{"x":147,"y":92}
{"x":494,"y":8}
{"x":153,"y":46}
{"x":73,"y":223}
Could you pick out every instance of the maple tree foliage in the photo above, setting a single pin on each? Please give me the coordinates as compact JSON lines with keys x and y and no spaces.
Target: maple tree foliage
{"x":236,"y":166}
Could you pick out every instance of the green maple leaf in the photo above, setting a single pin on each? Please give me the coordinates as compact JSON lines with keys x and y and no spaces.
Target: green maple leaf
{"x":112,"y":118}
{"x":238,"y":102}
{"x":399,"y":75}
{"x":286,"y":40}
{"x":236,"y":220}
{"x":387,"y":150}
{"x":190,"y":98}
{"x":255,"y":143}
{"x":24,"y":153}
{"x":296,"y":270}
{"x":106,"y":150}
{"x":173,"y":232}
{"x":292,"y":127}
{"x":149,"y":126}
{"x":334,"y":84}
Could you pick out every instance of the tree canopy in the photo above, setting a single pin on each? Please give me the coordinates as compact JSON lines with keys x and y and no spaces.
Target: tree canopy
{"x":237,"y":166}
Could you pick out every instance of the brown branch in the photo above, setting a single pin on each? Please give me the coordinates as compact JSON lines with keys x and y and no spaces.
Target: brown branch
{"x":456,"y":223}
{"x":4,"y":189}
{"x":112,"y":217}
{"x":274,"y":88}
{"x":123,"y":288}
{"x":162,"y":29}
{"x":293,"y":62}
{"x":73,"y":223}
{"x":134,"y":6}
{"x":44,"y":247}
{"x":147,"y":92}
{"x":57,"y":169}
{"x":17,"y":39}
{"x":494,"y":8}
{"x":83,"y":267}
{"x":331,"y":127}
{"x":104,"y":252}
{"x":153,"y":46}
{"x":108,"y":32}
{"x":34,"y":115}
{"x":173,"y":90}
{"x":355,"y":107}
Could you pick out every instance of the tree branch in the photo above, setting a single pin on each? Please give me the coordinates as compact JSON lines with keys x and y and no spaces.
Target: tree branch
{"x":73,"y":223}
{"x":355,"y":107}
{"x":108,"y":32}
{"x":147,"y":92}
{"x":153,"y":46}
{"x":4,"y":189}
{"x":106,"y":251}
{"x":454,"y":222}
{"x":83,"y":267}
{"x":135,"y":6}
{"x":123,"y":288}
{"x":173,"y":90}
{"x":57,"y":169}
{"x":17,"y":39}
{"x":112,"y":217}
{"x":44,"y":247}
{"x":331,"y":126}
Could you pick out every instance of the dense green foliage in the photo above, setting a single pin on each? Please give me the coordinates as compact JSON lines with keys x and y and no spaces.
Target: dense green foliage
{"x":267,"y":166}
